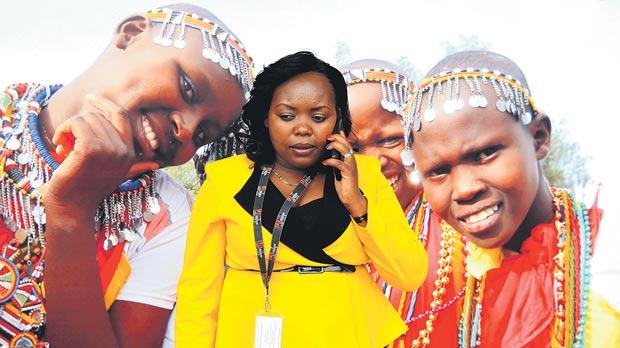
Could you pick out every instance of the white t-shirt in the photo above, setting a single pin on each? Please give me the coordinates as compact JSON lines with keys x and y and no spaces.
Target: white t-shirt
{"x":156,"y":256}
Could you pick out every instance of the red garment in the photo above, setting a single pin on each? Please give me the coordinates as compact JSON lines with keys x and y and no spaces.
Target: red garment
{"x":518,"y":304}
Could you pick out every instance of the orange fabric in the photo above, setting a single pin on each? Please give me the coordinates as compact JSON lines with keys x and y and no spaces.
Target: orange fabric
{"x":108,"y":261}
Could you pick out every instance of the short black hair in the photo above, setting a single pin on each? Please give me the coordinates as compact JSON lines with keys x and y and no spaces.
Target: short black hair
{"x":258,"y":145}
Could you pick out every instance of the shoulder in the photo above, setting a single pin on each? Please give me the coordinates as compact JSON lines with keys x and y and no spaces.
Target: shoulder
{"x":226,"y":166}
{"x":228,"y":175}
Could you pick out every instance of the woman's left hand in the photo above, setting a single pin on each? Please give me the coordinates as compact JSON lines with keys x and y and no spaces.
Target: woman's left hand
{"x":347,"y":188}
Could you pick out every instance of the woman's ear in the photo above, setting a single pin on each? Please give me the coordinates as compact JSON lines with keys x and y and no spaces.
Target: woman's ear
{"x":128,"y":30}
{"x":541,"y":132}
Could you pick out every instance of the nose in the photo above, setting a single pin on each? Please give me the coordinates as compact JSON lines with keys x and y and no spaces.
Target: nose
{"x":182,"y":131}
{"x":302,"y":128}
{"x":466,"y":186}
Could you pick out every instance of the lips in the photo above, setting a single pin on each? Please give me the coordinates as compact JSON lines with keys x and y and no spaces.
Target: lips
{"x":148,"y":138}
{"x":481,"y":220}
{"x":302,"y":149}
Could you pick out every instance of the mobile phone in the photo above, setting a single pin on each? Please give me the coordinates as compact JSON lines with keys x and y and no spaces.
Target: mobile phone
{"x":334,"y":153}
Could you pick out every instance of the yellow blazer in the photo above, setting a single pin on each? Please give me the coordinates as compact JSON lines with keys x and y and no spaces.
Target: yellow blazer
{"x":218,"y":308}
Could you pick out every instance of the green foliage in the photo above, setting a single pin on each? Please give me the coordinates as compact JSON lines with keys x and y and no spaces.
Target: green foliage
{"x":409,"y":69}
{"x":566,"y":166}
{"x":186,"y":175}
{"x":342,"y":56}
{"x":465,"y":42}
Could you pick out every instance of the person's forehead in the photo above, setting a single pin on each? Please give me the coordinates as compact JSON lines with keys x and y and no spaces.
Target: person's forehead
{"x":308,"y":84}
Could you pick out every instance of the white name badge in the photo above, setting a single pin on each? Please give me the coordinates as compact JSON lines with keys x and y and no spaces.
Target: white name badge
{"x":268,"y":333}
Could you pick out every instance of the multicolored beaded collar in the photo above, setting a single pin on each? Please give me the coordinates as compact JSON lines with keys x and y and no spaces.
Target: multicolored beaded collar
{"x":395,"y":88}
{"x":571,"y":280}
{"x":25,"y":166}
{"x":220,"y":47}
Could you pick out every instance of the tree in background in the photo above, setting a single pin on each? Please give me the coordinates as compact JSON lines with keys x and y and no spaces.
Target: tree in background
{"x":342,"y":56}
{"x":186,"y":175}
{"x":411,"y":70}
{"x":465,"y":42}
{"x":566,"y":166}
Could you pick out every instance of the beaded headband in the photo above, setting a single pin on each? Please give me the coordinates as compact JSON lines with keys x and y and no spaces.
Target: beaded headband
{"x":220,"y":47}
{"x":512,"y":98}
{"x":395,"y":88}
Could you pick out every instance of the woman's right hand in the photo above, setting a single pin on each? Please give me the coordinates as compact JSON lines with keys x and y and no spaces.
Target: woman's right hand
{"x":97,"y":147}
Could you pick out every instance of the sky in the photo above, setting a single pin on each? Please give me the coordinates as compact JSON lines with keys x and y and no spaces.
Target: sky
{"x":569,"y":50}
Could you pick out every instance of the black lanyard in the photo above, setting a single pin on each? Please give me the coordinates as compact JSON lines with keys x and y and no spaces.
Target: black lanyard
{"x":267,"y":269}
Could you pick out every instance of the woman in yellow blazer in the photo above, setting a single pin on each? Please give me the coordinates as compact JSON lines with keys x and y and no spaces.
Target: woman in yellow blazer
{"x":320,"y":293}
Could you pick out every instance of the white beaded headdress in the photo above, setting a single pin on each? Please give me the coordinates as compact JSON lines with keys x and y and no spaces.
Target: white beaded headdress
{"x":219,"y":46}
{"x":512,"y":98}
{"x":395,"y":87}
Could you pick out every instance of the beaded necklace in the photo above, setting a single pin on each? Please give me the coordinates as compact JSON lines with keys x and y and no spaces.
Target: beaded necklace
{"x":571,"y":279}
{"x":25,"y":166}
{"x":418,"y":215}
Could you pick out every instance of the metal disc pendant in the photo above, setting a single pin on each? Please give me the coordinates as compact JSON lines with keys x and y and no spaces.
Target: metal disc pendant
{"x":526,"y":118}
{"x":41,"y":219}
{"x":501,"y":105}
{"x":225,"y":63}
{"x":384,"y":104}
{"x":215,"y":58}
{"x":23,"y":158}
{"x":482,"y":101}
{"x":114,"y":239}
{"x":128,"y":234}
{"x":430,"y":114}
{"x":36,"y":183}
{"x":417,"y":124}
{"x":233,"y":70}
{"x":107,"y":244}
{"x":13,"y":144}
{"x":147,"y":216}
{"x":153,"y":204}
{"x":121,"y":237}
{"x":32,"y":175}
{"x":166,"y":42}
{"x":207,"y":53}
{"x":513,"y":108}
{"x":474,"y":101}
{"x":179,"y":43}
{"x":459,"y":104}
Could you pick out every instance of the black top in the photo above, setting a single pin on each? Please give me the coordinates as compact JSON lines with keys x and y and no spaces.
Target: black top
{"x":310,"y":227}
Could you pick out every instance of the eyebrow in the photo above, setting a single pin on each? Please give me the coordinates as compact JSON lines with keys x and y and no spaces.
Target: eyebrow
{"x":316,"y":108}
